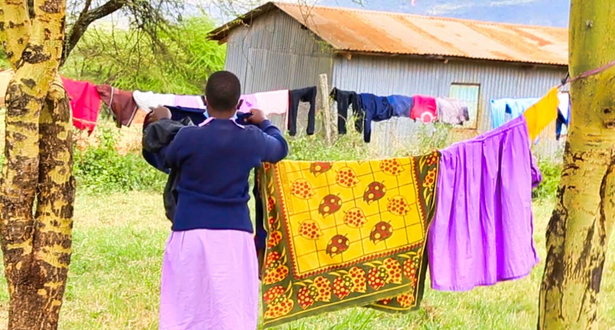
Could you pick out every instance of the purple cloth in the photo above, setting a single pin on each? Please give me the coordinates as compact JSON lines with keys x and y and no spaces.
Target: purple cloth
{"x":209,"y":281}
{"x":189,"y":101}
{"x":482,"y":231}
{"x":249,"y":103}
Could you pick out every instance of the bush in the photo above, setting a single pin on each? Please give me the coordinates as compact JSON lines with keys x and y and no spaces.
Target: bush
{"x":101,"y":168}
{"x":551,"y":172}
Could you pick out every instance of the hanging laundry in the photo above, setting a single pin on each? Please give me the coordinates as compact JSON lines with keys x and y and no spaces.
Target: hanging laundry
{"x":302,"y":95}
{"x":402,"y":105}
{"x":275,"y":102}
{"x":452,"y":111}
{"x":344,"y":99}
{"x":189,"y":101}
{"x":84,"y":101}
{"x":346,"y":234}
{"x":482,"y":231}
{"x":248,"y":102}
{"x":5,"y":79}
{"x":149,"y":100}
{"x":376,"y":108}
{"x":424,"y":109}
{"x":195,"y":114}
{"x":121,"y":103}
{"x":511,"y":107}
{"x":563,"y":116}
{"x":541,"y":114}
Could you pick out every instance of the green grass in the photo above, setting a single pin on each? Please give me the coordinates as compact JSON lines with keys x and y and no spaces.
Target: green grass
{"x":115,"y":273}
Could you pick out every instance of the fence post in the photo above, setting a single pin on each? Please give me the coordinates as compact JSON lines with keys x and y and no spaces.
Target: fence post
{"x":326,"y":106}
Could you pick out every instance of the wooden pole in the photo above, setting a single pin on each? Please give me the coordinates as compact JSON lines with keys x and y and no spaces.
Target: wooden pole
{"x":326,"y":107}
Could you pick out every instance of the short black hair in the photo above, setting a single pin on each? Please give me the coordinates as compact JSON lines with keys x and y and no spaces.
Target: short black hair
{"x":223,"y":91}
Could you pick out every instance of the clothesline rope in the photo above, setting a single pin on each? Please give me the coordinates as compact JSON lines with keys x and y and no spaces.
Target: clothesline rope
{"x":587,"y":74}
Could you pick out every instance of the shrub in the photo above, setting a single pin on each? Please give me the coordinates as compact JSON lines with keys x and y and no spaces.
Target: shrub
{"x":101,"y":168}
{"x":551,"y":172}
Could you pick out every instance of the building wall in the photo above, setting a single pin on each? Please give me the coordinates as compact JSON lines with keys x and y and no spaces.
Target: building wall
{"x":409,"y":76}
{"x":276,"y":53}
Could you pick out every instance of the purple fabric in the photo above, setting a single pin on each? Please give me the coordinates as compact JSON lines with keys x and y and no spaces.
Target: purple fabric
{"x":482,"y":231}
{"x":209,"y":281}
{"x":189,"y":101}
{"x":249,"y":103}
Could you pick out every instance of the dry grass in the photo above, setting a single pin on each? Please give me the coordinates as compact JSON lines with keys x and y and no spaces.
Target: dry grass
{"x":114,"y":279}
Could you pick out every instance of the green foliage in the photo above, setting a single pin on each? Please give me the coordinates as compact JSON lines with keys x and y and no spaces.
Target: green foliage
{"x":102,"y":169}
{"x":551,"y":172}
{"x":178,"y":62}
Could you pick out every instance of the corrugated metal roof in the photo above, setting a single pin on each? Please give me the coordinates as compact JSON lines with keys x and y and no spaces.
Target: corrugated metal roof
{"x":364,"y":31}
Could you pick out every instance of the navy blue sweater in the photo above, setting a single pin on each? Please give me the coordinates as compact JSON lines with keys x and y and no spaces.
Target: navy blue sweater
{"x":215,"y":161}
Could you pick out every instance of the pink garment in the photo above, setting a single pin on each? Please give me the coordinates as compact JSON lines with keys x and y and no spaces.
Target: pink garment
{"x":209,"y":281}
{"x":84,"y":102}
{"x":424,"y":109}
{"x":248,"y":103}
{"x":189,"y":101}
{"x":275,"y":102}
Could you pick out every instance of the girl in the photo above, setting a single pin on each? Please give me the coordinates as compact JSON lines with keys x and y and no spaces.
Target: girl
{"x":210,"y":269}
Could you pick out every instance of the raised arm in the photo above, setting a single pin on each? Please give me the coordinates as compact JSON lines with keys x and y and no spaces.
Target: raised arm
{"x":275,"y":147}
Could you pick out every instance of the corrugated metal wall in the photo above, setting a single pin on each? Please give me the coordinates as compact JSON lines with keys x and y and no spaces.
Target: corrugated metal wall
{"x":410,"y":76}
{"x":276,"y":52}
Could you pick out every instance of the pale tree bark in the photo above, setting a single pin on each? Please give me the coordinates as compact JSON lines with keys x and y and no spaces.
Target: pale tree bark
{"x":38,"y":164}
{"x":580,"y":227}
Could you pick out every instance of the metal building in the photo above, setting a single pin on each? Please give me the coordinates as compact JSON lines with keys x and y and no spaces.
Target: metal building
{"x":286,"y":46}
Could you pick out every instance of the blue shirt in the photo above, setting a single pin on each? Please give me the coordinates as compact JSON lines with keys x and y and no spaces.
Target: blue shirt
{"x":214,"y":162}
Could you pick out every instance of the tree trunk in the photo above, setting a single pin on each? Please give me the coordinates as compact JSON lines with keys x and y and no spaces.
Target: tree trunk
{"x":580,"y":227}
{"x":38,"y":163}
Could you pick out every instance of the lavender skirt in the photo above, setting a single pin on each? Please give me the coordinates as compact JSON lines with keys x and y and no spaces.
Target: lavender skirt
{"x":209,"y":281}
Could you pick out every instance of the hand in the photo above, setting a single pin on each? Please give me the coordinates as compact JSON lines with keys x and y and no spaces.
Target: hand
{"x":260,"y":255}
{"x":258,"y":116}
{"x":160,"y":113}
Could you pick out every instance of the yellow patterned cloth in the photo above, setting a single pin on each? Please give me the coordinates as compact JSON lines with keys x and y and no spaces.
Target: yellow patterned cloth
{"x":346,"y":234}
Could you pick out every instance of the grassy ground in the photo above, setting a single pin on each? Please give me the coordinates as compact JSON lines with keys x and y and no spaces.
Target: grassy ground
{"x":114,"y":279}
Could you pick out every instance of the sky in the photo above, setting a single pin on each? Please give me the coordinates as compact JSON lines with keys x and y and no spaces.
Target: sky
{"x":532,"y":12}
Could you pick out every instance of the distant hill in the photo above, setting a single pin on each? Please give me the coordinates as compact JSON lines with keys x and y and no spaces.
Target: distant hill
{"x":533,"y":12}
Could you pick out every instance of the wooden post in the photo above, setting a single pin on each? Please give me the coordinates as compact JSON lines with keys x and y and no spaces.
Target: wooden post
{"x":326,"y":106}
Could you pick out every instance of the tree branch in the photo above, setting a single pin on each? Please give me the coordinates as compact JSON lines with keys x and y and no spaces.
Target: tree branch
{"x":87,"y":17}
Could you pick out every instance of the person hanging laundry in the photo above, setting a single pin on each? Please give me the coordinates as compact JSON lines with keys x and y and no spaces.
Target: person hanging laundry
{"x":274,"y":102}
{"x":5,"y":79}
{"x":452,"y":111}
{"x":376,"y":108}
{"x":189,"y":101}
{"x":84,"y":102}
{"x":344,"y":99}
{"x":121,"y":103}
{"x":424,"y":109}
{"x":210,"y":269}
{"x":302,"y":95}
{"x":402,"y":105}
{"x":149,"y":100}
{"x":482,"y":231}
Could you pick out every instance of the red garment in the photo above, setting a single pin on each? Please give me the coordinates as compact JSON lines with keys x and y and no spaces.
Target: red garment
{"x":85,"y":103}
{"x":424,"y":109}
{"x":121,"y":103}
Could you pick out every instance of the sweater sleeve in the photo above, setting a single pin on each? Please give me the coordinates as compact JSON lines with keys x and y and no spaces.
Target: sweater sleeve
{"x":261,"y":233}
{"x":275,"y":147}
{"x":176,"y":151}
